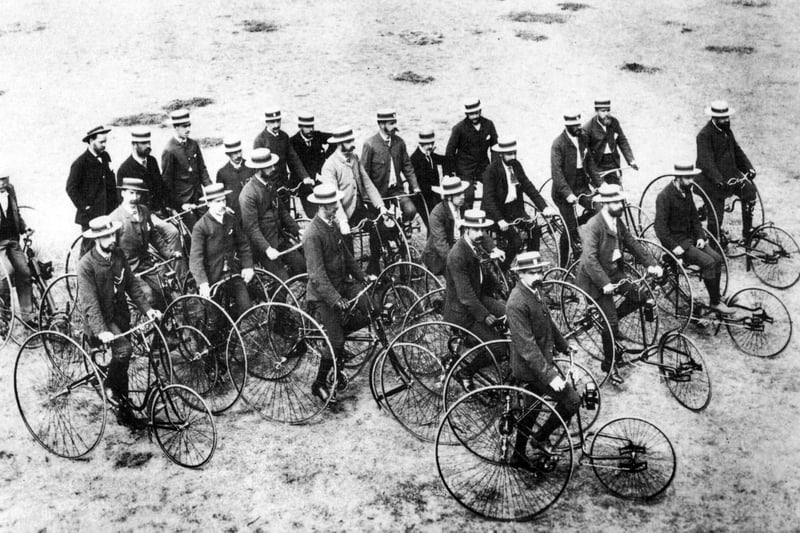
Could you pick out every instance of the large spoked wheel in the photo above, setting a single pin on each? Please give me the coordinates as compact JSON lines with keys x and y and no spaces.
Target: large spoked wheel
{"x":59,"y":395}
{"x":762,"y":326}
{"x":412,"y":371}
{"x":59,"y":309}
{"x":398,"y":288}
{"x":582,"y":322}
{"x":496,"y":373}
{"x":549,"y":230}
{"x":732,"y":235}
{"x":292,"y":291}
{"x":183,"y":426}
{"x":774,"y":256}
{"x":633,"y":459}
{"x":427,"y":308}
{"x":490,"y":457}
{"x":673,"y":291}
{"x":584,"y":382}
{"x":205,"y":350}
{"x":284,"y":347}
{"x":685,"y":371}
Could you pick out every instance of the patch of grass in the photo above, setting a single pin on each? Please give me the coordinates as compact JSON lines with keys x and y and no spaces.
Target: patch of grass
{"x":2,"y":93}
{"x":530,"y":16}
{"x":195,"y":101}
{"x":140,"y":119}
{"x":421,"y":38}
{"x":638,"y":68}
{"x":209,"y":142}
{"x":132,"y":460}
{"x":259,"y":26}
{"x":572,"y":6}
{"x":412,"y":77}
{"x":741,"y":50}
{"x":17,"y":27}
{"x":530,"y":36}
{"x":749,"y":3}
{"x":686,"y":30}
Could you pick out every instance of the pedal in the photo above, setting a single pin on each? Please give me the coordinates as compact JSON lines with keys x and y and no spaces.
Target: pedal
{"x":590,"y":396}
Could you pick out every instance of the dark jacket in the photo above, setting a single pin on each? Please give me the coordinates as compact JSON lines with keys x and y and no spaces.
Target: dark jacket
{"x":289,"y":161}
{"x":468,"y":149}
{"x":17,"y":222}
{"x":427,"y":175}
{"x":234,"y":180}
{"x":102,"y":288}
{"x":216,"y":246}
{"x":467,"y":299}
{"x":329,"y":262}
{"x":265,"y":218}
{"x":184,"y":173}
{"x":677,"y":221}
{"x":596,"y":269}
{"x":612,"y":136}
{"x":495,"y":189}
{"x":567,"y":179}
{"x":440,"y":238}
{"x":314,"y":156}
{"x":534,"y":336}
{"x":376,"y":158}
{"x":151,"y":176}
{"x":135,"y":237}
{"x":91,"y":187}
{"x":719,"y":157}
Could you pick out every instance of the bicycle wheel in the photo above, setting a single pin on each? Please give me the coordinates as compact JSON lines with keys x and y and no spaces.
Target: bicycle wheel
{"x":684,"y":370}
{"x":206,"y":352}
{"x":774,"y":256}
{"x":496,"y":373}
{"x":639,"y":330}
{"x":673,"y":291}
{"x":427,"y":308}
{"x":632,"y":458}
{"x":61,"y":403}
{"x":478,"y":454}
{"x":579,"y":377}
{"x":73,"y":255}
{"x":733,"y":234}
{"x":292,"y":291}
{"x":284,"y":347}
{"x":185,"y":432}
{"x":762,"y":326}
{"x":59,"y":309}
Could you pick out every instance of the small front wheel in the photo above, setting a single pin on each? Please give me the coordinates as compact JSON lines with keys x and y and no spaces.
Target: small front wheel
{"x":183,"y":426}
{"x":684,"y":371}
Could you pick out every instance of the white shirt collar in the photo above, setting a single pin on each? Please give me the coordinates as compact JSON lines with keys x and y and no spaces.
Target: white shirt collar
{"x":218,"y":219}
{"x":178,"y":139}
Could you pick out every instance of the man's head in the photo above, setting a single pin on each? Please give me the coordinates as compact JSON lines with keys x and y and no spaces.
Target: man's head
{"x":602,"y":106}
{"x":507,"y":148}
{"x":475,"y":225}
{"x":272,"y":118}
{"x":140,"y":141}
{"x":263,"y":161}
{"x":452,"y":190}
{"x":572,"y":123}
{"x":720,"y":113}
{"x":131,"y":197}
{"x":472,"y":109}
{"x":387,"y":122}
{"x":327,"y":197}
{"x":233,"y":149}
{"x":97,"y":138}
{"x":182,"y":123}
{"x":530,"y":268}
{"x":344,"y":139}
{"x":305,"y":123}
{"x":612,"y":198}
{"x":214,"y":197}
{"x":427,"y":141}
{"x":684,"y":174}
{"x":103,"y":230}
{"x":131,"y":191}
{"x":217,"y":207}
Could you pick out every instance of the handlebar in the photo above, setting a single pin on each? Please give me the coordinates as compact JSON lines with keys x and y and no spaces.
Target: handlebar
{"x":132,"y":330}
{"x":155,"y":267}
{"x":363,"y":221}
{"x":612,"y":171}
{"x":178,"y":215}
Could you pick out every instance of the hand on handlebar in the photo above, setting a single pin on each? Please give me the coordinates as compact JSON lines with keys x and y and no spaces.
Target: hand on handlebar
{"x":549,"y":211}
{"x":490,"y":320}
{"x":105,"y":337}
{"x":154,"y":314}
{"x":247,"y":274}
{"x":341,"y":305}
{"x":187,"y":207}
{"x":572,"y":198}
{"x":502,"y":225}
{"x":497,"y":253}
{"x":204,"y":290}
{"x":558,"y":384}
{"x":655,"y":270}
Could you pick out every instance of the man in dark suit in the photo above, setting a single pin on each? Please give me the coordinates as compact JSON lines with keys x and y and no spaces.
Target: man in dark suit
{"x":277,"y":140}
{"x":444,"y":229}
{"x":680,"y":231}
{"x":468,"y":148}
{"x":504,"y":182}
{"x":605,"y":237}
{"x":606,"y":140}
{"x":312,"y":148}
{"x":11,"y":227}
{"x":726,"y":170}
{"x":234,"y":174}
{"x":386,"y":160}
{"x":220,"y":249}
{"x":141,"y":165}
{"x":91,"y":184}
{"x":571,"y":166}
{"x":266,"y":220}
{"x":184,"y":170}
{"x":426,"y":164}
{"x":534,"y":341}
{"x":333,"y":279}
{"x":467,"y":300}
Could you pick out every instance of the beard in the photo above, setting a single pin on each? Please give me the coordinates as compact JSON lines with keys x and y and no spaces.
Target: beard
{"x":616,"y":213}
{"x":110,"y":247}
{"x":348,"y":150}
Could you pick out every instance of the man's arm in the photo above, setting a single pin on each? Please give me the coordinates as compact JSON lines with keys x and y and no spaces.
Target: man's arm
{"x":296,"y":166}
{"x":243,"y":250}
{"x":288,"y":222}
{"x":491,"y":204}
{"x":204,"y":177}
{"x":529,"y":189}
{"x":370,"y":188}
{"x":524,"y":342}
{"x":560,"y":187}
{"x":408,"y":168}
{"x":366,"y":157}
{"x":168,"y":169}
{"x":74,"y":182}
{"x":630,"y":242}
{"x":317,"y":275}
{"x":662,"y":222}
{"x":464,"y":292}
{"x":705,"y":159}
{"x":590,"y":259}
{"x":88,"y":300}
{"x":623,"y":144}
{"x":197,"y":264}
{"x":133,"y":289}
{"x":439,"y":235}
{"x":248,"y":204}
{"x":450,"y":152}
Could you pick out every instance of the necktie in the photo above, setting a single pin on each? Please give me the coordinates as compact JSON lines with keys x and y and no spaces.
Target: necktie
{"x":512,"y":176}
{"x":430,"y":161}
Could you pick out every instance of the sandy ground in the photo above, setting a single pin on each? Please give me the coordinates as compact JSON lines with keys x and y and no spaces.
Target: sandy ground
{"x":67,"y":66}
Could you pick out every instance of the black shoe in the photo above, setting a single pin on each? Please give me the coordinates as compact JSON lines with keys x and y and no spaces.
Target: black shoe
{"x":615,"y":377}
{"x":342,"y":382}
{"x":466,"y":381}
{"x":126,"y":417}
{"x":321,"y":391}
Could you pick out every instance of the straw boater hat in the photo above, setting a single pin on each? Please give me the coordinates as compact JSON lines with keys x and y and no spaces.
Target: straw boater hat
{"x":472,"y":105}
{"x":427,"y":136}
{"x":475,"y":218}
{"x":530,"y":261}
{"x":101,"y":226}
{"x":341,"y":135}
{"x":602,"y":103}
{"x":505,"y":145}
{"x":97,"y":130}
{"x":572,"y":119}
{"x":214,"y":191}
{"x":272,"y":113}
{"x":132,"y":184}
{"x":262,"y":158}
{"x":719,"y":108}
{"x":305,"y":120}
{"x":140,"y":134}
{"x":451,"y":185}
{"x":609,"y":192}
{"x":386,"y":115}
{"x":180,"y":117}
{"x":325,"y":194}
{"x":686,"y":169}
{"x":232,"y":144}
